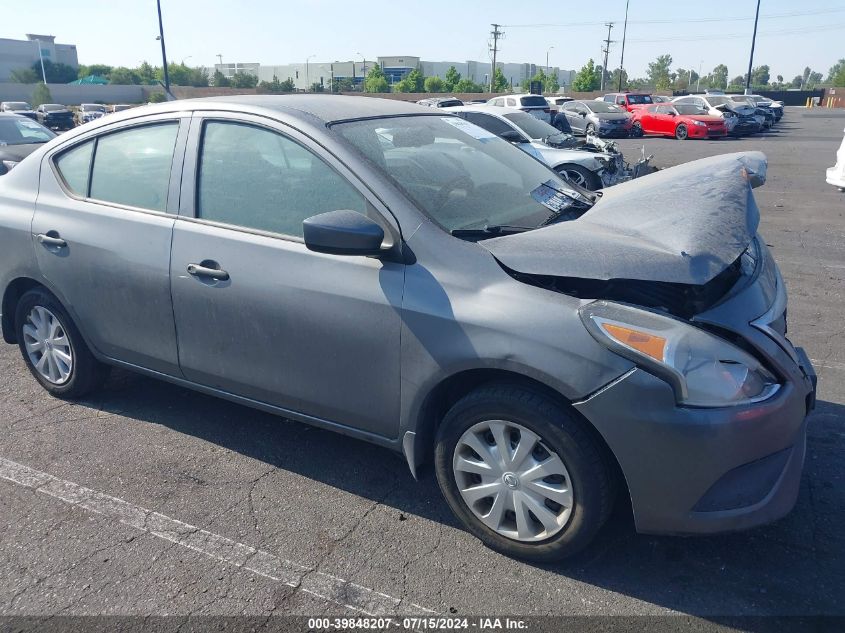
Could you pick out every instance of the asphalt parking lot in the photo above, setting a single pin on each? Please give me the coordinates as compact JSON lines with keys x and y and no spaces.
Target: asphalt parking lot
{"x":156,"y":500}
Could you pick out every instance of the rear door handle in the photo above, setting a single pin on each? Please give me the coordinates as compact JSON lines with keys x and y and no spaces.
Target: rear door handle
{"x":49,"y":240}
{"x":199,"y":270}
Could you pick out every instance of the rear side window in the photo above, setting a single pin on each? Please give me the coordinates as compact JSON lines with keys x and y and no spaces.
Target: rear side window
{"x":489,"y":123}
{"x":132,"y":167}
{"x":256,"y":178}
{"x":511,"y":102}
{"x":74,"y":167}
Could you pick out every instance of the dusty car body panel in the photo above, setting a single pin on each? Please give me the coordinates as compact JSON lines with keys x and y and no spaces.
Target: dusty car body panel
{"x":714,"y":219}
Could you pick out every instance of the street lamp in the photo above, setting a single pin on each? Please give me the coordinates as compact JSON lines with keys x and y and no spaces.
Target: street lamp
{"x":307,"y":76}
{"x":184,"y":58}
{"x":547,"y":57}
{"x":163,"y":51}
{"x":41,"y":59}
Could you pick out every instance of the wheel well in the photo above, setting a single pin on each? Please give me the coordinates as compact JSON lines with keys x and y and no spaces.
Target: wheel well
{"x":444,"y":396}
{"x":14,"y":291}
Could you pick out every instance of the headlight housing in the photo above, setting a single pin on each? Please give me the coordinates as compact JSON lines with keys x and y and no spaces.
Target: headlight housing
{"x":703,"y":369}
{"x":699,"y":123}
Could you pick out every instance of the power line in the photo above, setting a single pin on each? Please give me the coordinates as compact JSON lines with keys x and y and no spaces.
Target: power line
{"x":733,"y":36}
{"x":791,"y":14}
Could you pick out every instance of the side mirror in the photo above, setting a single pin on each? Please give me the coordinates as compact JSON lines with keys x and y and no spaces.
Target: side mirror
{"x":343,"y":232}
{"x":583,"y":114}
{"x":512,"y":136}
{"x":671,"y":113}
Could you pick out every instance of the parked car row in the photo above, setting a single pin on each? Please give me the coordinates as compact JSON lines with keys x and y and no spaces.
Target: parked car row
{"x":546,"y":347}
{"x":57,"y":116}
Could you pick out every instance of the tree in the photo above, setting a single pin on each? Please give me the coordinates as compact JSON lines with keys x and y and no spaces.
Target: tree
{"x":551,"y":85}
{"x":836,"y":75}
{"x":760,"y":76}
{"x":102,"y":70}
{"x":500,"y":82}
{"x":220,"y":80}
{"x":467,"y":85}
{"x":25,"y":76}
{"x":614,"y":79}
{"x":41,"y":94}
{"x":796,"y":82}
{"x":587,"y":79}
{"x":344,"y":84}
{"x":813,"y":80}
{"x":538,"y":76}
{"x":124,"y":76}
{"x":719,"y":77}
{"x":275,"y":86}
{"x":434,"y":84}
{"x":412,"y":82}
{"x":658,"y":72}
{"x":158,"y":97}
{"x":244,"y":80}
{"x":452,"y":79}
{"x":147,"y":73}
{"x":737,"y":83}
{"x":376,"y":81}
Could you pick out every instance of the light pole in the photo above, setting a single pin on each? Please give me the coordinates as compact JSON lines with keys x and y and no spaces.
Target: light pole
{"x":41,"y":59}
{"x":307,"y":75}
{"x":163,"y":50}
{"x":547,"y":57}
{"x":751,"y":56}
{"x":622,"y":56}
{"x":698,"y":83}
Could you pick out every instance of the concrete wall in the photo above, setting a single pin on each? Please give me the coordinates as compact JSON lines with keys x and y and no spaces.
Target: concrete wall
{"x":74,"y":95}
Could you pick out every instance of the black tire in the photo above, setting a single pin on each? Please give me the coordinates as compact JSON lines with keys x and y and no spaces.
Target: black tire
{"x":636,"y":129}
{"x":86,"y":373}
{"x":681,"y":132}
{"x":580,"y":176}
{"x":560,"y":429}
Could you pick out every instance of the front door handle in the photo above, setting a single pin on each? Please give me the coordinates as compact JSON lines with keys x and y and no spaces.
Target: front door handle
{"x":199,"y":270}
{"x":49,"y":240}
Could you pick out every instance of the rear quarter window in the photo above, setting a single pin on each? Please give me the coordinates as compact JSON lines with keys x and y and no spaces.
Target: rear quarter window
{"x":74,"y":167}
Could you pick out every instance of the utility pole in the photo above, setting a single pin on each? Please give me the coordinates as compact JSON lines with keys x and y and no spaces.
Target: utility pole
{"x":496,"y":34}
{"x":606,"y":50}
{"x":163,"y":51}
{"x":622,"y":57}
{"x":751,"y":57}
{"x":41,"y":59}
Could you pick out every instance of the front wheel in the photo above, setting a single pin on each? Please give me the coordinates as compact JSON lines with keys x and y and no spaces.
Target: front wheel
{"x":53,"y":348}
{"x":681,"y":132}
{"x":522,"y":473}
{"x":580,"y":176}
{"x":636,"y":129}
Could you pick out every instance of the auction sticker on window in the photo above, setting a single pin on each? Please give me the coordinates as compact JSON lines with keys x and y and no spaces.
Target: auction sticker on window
{"x":470,"y":128}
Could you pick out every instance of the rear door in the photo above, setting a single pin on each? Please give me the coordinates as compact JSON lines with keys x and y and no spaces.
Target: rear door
{"x":103,"y":224}
{"x":314,"y":334}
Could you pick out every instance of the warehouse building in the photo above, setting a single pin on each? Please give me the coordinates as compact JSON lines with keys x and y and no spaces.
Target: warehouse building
{"x":21,"y":54}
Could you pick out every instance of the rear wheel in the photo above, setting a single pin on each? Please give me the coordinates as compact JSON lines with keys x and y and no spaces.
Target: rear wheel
{"x":636,"y":129}
{"x":681,"y":132}
{"x":522,"y":473}
{"x":53,"y":348}
{"x":580,"y":176}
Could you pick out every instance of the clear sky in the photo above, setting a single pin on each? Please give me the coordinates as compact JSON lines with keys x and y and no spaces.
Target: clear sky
{"x":791,"y":34}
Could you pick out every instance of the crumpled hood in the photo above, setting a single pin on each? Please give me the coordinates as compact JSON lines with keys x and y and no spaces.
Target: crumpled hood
{"x":683,"y":225}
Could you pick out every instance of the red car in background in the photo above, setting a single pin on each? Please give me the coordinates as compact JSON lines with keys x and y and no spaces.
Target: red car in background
{"x":630,"y":101}
{"x":680,"y":120}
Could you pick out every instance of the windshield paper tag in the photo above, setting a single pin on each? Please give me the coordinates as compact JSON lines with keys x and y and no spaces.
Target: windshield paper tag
{"x":551,"y":198}
{"x":470,"y":128}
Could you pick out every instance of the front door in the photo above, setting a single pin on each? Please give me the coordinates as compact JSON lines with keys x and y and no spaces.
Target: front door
{"x":103,"y":224}
{"x":257,"y":313}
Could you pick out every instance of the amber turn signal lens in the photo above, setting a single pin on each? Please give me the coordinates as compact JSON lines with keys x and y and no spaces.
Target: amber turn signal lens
{"x":649,"y":344}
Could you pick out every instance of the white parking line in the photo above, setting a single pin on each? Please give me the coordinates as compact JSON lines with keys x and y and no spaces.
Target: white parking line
{"x":316,"y":583}
{"x":827,"y":364}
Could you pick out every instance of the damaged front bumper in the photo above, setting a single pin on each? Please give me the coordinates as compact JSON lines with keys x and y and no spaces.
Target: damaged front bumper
{"x":620,"y":171}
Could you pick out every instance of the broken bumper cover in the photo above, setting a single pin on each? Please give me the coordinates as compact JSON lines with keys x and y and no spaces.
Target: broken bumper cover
{"x":697,"y":470}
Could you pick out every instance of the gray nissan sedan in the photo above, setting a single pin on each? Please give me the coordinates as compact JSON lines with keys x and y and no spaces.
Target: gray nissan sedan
{"x":400,"y":275}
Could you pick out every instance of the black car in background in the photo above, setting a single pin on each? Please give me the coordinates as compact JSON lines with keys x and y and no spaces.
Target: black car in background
{"x":19,"y":137}
{"x":55,"y":116}
{"x":18,"y":107}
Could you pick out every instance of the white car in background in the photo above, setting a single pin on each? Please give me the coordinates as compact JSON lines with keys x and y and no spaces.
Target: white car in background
{"x":535,"y":105}
{"x":836,"y":174}
{"x":588,"y":166}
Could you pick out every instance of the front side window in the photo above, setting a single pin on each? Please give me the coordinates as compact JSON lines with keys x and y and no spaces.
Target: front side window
{"x":132,"y":167}
{"x":259,"y":179}
{"x":460,"y":175}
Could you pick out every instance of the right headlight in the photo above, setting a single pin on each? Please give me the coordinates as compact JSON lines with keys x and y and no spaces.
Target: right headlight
{"x":703,"y":369}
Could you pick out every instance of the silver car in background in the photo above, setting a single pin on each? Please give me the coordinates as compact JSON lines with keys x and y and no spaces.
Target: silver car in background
{"x":596,"y":117}
{"x":535,"y":105}
{"x":405,"y":277}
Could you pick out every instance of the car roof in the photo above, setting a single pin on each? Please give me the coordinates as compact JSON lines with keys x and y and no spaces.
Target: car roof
{"x":499,"y":111}
{"x":326,"y":108}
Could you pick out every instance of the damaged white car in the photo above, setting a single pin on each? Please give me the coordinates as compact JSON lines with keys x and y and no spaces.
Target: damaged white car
{"x":593,"y":164}
{"x":836,"y":174}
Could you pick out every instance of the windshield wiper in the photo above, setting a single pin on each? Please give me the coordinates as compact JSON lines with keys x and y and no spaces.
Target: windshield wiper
{"x":490,"y":230}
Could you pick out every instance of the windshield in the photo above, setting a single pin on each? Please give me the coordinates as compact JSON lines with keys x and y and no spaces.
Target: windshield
{"x":602,"y":107}
{"x":21,"y":131}
{"x":53,"y":107}
{"x":92,"y":107}
{"x":535,"y":128}
{"x":717,"y":101}
{"x":461,"y":175}
{"x":18,"y":105}
{"x":637,"y":99}
{"x":121,"y":108}
{"x":689,"y":108}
